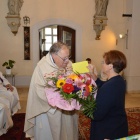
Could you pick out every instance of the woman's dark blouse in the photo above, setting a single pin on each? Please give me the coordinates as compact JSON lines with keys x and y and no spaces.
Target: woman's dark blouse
{"x":110,"y":121}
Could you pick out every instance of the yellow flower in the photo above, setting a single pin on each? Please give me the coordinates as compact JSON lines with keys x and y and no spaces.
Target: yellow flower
{"x":73,"y":76}
{"x":90,"y":88}
{"x":60,"y":83}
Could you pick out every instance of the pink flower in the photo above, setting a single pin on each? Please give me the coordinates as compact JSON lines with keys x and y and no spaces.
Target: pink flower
{"x":69,"y":81}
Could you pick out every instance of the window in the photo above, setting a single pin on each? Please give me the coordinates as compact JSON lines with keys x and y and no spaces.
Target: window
{"x":50,"y":35}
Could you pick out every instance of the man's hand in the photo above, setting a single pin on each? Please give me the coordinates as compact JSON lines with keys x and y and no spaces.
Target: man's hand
{"x":9,"y":87}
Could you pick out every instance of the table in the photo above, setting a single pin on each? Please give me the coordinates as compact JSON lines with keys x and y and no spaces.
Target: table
{"x":12,"y":76}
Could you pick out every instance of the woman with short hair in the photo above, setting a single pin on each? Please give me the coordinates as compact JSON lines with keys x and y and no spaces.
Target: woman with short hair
{"x":110,"y":120}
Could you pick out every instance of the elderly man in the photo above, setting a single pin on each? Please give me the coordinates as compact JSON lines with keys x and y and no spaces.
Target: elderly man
{"x":44,"y":122}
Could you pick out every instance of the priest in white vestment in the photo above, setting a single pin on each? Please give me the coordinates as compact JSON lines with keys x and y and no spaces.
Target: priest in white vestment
{"x":9,"y":95}
{"x":43,"y":122}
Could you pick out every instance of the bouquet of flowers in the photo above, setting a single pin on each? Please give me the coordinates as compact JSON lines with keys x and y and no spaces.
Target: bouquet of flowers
{"x":69,"y":92}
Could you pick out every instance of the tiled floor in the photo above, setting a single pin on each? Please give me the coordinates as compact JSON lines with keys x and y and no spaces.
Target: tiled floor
{"x":132,"y":99}
{"x":23,"y":94}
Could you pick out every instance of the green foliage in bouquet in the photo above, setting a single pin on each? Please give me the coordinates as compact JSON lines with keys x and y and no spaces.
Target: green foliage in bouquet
{"x":88,"y":106}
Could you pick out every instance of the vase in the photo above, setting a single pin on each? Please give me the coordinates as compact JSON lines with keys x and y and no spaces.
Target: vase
{"x":8,"y":71}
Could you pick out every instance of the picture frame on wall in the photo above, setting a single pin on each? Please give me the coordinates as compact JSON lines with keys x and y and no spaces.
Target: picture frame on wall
{"x":26,"y":43}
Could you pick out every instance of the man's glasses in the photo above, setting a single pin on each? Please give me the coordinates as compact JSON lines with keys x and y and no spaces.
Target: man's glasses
{"x":64,"y":59}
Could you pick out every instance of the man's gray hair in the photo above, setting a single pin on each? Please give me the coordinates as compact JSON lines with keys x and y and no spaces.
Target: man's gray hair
{"x":56,"y":47}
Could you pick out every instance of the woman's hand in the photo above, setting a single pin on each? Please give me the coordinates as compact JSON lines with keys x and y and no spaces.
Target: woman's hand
{"x":91,"y":72}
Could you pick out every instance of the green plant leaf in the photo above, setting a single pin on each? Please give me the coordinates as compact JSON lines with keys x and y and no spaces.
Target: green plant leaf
{"x":9,"y":64}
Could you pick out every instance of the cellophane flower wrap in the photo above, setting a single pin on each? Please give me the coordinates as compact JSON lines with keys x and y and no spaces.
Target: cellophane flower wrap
{"x":71,"y":92}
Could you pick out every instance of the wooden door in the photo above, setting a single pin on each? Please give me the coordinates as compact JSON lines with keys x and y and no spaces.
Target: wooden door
{"x":67,"y":35}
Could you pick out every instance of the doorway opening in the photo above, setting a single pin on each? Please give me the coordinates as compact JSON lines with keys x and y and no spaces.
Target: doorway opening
{"x":53,"y":33}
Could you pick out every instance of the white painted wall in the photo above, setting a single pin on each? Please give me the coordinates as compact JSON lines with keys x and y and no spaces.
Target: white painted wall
{"x":80,"y":17}
{"x":133,"y":52}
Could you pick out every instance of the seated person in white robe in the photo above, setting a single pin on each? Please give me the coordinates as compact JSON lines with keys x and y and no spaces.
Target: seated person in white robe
{"x":43,"y":122}
{"x":9,"y":95}
{"x":6,"y":121}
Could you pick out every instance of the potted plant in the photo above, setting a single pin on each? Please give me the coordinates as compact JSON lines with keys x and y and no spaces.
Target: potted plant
{"x":9,"y":65}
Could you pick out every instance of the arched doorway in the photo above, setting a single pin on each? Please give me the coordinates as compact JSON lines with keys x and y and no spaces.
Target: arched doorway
{"x":53,"y":33}
{"x":64,"y":22}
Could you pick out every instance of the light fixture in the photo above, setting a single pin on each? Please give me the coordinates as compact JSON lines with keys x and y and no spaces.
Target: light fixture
{"x":124,"y":36}
{"x":26,"y":20}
